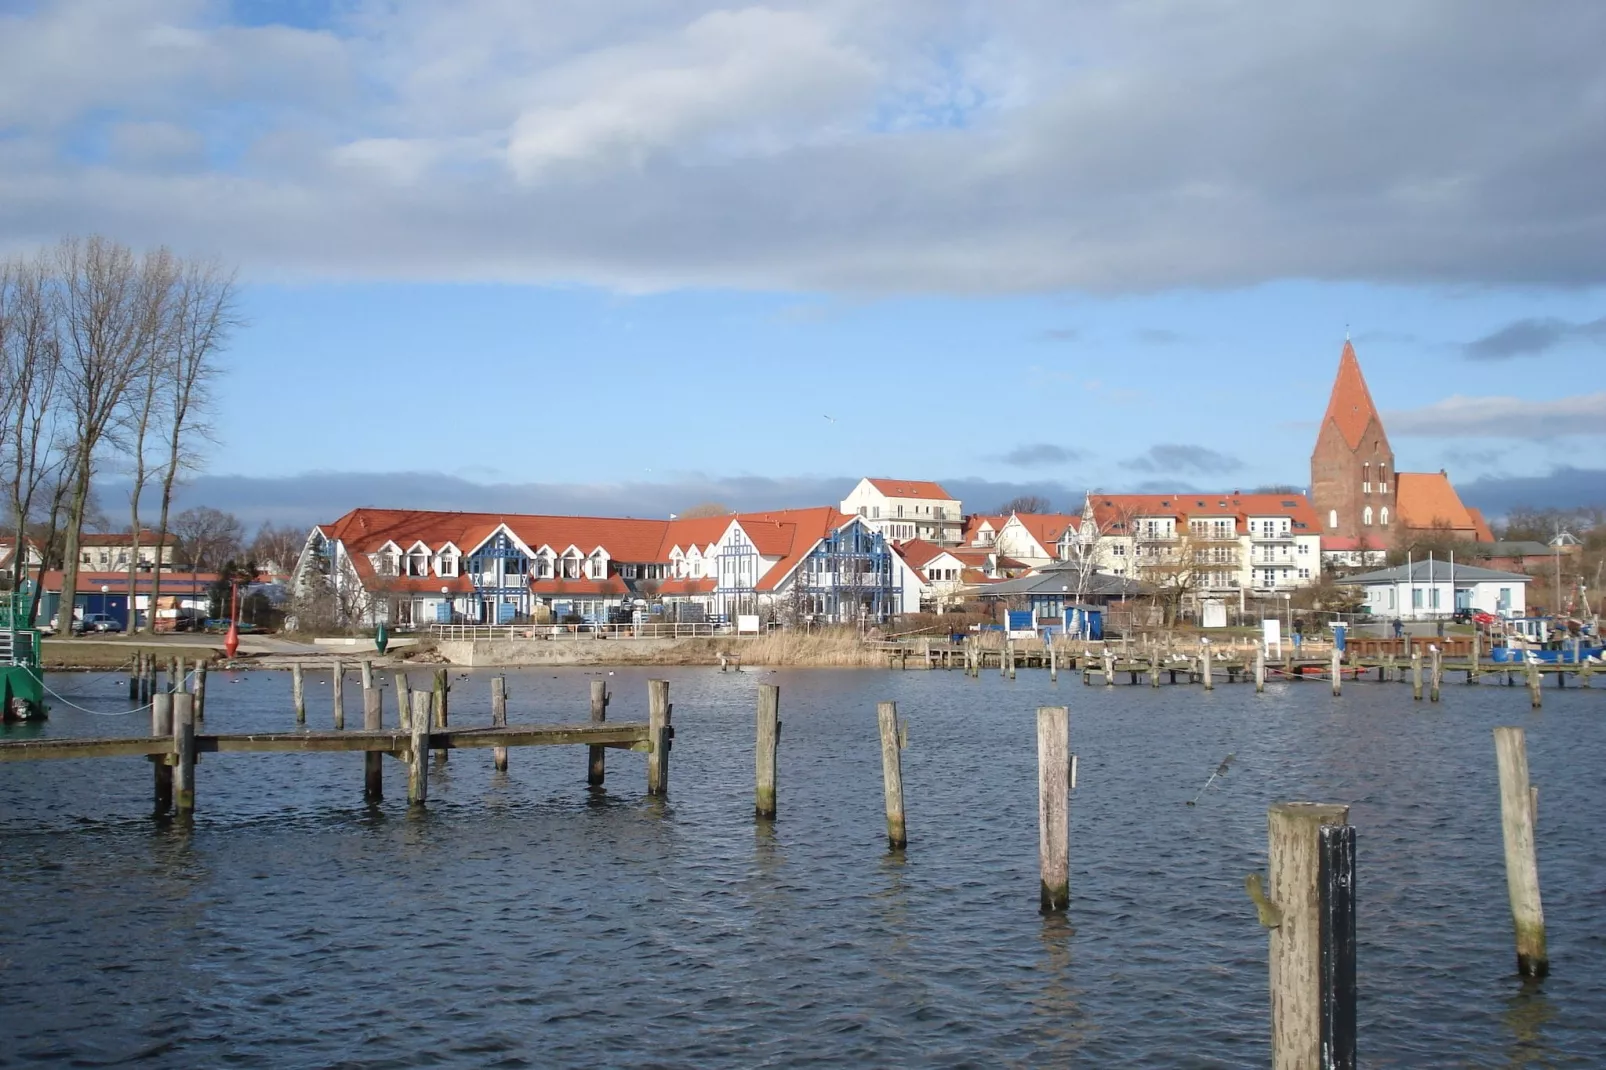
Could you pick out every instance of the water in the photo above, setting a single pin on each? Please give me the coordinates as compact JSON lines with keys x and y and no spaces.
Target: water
{"x":525,"y":921}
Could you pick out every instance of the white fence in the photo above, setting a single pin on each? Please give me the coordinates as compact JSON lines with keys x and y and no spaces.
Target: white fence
{"x":465,"y":632}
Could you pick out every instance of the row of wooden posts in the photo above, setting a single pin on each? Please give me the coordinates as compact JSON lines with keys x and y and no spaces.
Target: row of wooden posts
{"x":144,"y":680}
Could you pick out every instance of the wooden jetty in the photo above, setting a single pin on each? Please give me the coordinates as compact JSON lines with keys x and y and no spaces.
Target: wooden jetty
{"x":174,"y":745}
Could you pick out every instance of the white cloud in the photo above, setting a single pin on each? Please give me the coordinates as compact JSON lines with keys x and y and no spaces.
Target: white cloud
{"x":844,"y":145}
{"x":1502,"y":417}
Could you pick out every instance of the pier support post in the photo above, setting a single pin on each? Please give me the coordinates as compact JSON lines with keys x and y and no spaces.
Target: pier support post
{"x":1517,"y":818}
{"x":1475,"y":655}
{"x":1053,"y":664}
{"x":1053,"y":807}
{"x":1536,"y":694}
{"x":442,"y":715}
{"x":404,"y":700}
{"x":1109,"y":668}
{"x":1337,"y":670}
{"x":133,"y":680}
{"x":1154,"y":667}
{"x":184,"y":745}
{"x":1336,"y":876}
{"x":200,"y":690}
{"x":162,"y":728}
{"x":1260,"y":667}
{"x":769,"y":733}
{"x":418,"y":753}
{"x":1205,"y":672}
{"x":597,"y":769}
{"x":892,"y":773}
{"x":499,"y":718}
{"x":1416,"y":675}
{"x":1436,"y":676}
{"x":367,"y":668}
{"x":298,"y":692}
{"x":373,"y":719}
{"x":337,"y":683}
{"x":175,"y":674}
{"x":658,"y":736}
{"x":1296,"y":906}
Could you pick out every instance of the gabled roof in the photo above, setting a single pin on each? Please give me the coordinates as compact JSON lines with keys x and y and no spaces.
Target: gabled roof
{"x":1047,"y":528}
{"x":801,"y":530}
{"x":1437,"y":570}
{"x":1350,"y":406}
{"x":911,"y":488}
{"x":1480,"y":525}
{"x":1109,"y":509}
{"x":975,"y":521}
{"x":1424,"y":499}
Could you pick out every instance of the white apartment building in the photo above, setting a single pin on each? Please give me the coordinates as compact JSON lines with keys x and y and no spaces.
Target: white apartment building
{"x":904,"y":509}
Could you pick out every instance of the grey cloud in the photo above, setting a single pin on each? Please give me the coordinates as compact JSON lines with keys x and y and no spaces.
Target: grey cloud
{"x":1040,"y":453}
{"x":1216,"y":145}
{"x":1502,"y":417}
{"x":1530,"y":337}
{"x":1561,"y":488}
{"x":1170,"y":458}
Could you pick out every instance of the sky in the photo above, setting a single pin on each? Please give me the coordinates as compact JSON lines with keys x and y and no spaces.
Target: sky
{"x":626,"y":257}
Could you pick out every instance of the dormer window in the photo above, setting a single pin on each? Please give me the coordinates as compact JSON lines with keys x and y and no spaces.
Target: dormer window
{"x":448,"y":565}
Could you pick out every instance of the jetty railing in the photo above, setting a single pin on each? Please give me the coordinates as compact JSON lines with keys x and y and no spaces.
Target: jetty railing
{"x":681,"y":630}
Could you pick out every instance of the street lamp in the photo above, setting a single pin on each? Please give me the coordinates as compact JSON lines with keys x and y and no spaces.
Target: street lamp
{"x":105,"y":598}
{"x":447,"y":601}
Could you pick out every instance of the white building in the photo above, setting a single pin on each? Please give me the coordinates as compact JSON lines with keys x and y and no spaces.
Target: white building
{"x":1206,"y":542}
{"x":904,"y":509}
{"x":1429,"y":590}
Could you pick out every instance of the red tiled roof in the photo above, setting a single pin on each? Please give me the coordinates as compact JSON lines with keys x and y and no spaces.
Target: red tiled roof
{"x":1047,"y":528}
{"x":1480,"y":525}
{"x":911,"y":488}
{"x":801,"y":529}
{"x":1350,"y":404}
{"x":146,"y":538}
{"x":1425,"y":499}
{"x":1111,"y":508}
{"x":974,"y":521}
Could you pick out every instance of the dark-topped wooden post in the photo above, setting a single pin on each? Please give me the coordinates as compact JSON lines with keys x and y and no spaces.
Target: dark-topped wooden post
{"x":1536,"y":695}
{"x":892,"y":773}
{"x":442,"y":715}
{"x":373,"y":719}
{"x":499,"y":718}
{"x":597,"y":761}
{"x":1260,"y":667}
{"x":1517,"y":819}
{"x":658,"y":735}
{"x":184,"y":745}
{"x":200,"y":689}
{"x":1296,"y":906}
{"x":298,"y":692}
{"x":338,"y":683}
{"x":769,"y":735}
{"x":1336,"y":877}
{"x":175,"y":674}
{"x":162,"y":728}
{"x":418,"y":753}
{"x":1475,"y":655}
{"x":133,"y":678}
{"x":1053,"y":807}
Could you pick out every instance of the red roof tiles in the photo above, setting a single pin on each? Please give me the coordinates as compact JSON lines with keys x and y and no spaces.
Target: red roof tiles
{"x":1350,"y":404}
{"x":911,"y":488}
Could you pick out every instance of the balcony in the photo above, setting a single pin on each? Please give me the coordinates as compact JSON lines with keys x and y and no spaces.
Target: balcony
{"x":1286,"y":537}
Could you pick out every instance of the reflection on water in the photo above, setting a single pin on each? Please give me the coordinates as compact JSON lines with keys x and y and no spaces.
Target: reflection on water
{"x":526,"y":919}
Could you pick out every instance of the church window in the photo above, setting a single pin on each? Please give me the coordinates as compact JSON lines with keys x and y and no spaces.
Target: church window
{"x":1332,"y":518}
{"x":1366,"y":516}
{"x":1385,"y":516}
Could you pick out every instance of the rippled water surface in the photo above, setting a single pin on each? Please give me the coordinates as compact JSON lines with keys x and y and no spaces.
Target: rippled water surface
{"x":528,"y":921}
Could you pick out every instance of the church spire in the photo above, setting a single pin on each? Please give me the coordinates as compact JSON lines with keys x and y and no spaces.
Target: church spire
{"x":1350,"y":406}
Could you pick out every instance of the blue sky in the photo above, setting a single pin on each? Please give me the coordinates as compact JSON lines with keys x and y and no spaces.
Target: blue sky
{"x":508,"y":255}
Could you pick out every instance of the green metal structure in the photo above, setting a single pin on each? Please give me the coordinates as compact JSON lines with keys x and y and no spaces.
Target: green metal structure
{"x":22,"y":686}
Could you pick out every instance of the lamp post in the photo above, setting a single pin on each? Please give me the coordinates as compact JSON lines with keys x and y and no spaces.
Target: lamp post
{"x":105,"y":598}
{"x":446,"y":600}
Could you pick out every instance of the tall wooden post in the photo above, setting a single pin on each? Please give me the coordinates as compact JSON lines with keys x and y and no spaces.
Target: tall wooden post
{"x":442,"y":715}
{"x":1337,"y":671}
{"x":1536,"y":694}
{"x":1416,"y":674}
{"x":1293,"y":833}
{"x":1517,"y":819}
{"x":373,"y":769}
{"x":658,"y":736}
{"x":892,"y":773}
{"x":1053,"y":807}
{"x":184,"y":745}
{"x":1437,"y":674}
{"x":597,"y":766}
{"x":418,"y":753}
{"x":298,"y":693}
{"x":1109,"y":668}
{"x":133,"y":679}
{"x":1260,"y":667}
{"x":338,"y":683}
{"x":1053,"y":664}
{"x":499,"y":718}
{"x":1336,"y":888}
{"x":1204,"y":668}
{"x":769,"y":732}
{"x":1475,"y":655}
{"x":175,"y":674}
{"x":162,"y":728}
{"x":1154,"y":667}
{"x":404,"y":699}
{"x":367,"y":668}
{"x":200,"y":690}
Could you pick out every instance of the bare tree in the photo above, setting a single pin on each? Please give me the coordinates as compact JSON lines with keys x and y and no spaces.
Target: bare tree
{"x":107,"y":335}
{"x":1026,"y":503}
{"x":277,"y":549}
{"x":208,"y":538}
{"x":203,"y":317}
{"x":141,"y":414}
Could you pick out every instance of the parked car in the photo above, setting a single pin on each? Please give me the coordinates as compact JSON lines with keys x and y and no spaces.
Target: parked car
{"x":97,"y":622}
{"x":221,"y":624}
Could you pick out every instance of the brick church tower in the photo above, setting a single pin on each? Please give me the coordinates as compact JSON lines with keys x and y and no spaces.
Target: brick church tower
{"x":1353,"y":484}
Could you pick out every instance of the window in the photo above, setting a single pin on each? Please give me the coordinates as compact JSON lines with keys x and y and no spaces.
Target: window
{"x":1304,"y":573}
{"x":1385,"y":516}
{"x":875,"y":512}
{"x":1416,"y":598}
{"x":1118,"y":550}
{"x":1433,"y":597}
{"x":1366,"y":516}
{"x":1304,"y":549}
{"x":417,"y":564}
{"x":900,"y":512}
{"x":1332,"y":518}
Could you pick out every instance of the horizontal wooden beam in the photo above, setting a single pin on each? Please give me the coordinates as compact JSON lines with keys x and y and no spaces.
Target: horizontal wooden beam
{"x":620,"y":734}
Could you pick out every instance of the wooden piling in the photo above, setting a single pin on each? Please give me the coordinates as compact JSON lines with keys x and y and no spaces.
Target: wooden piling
{"x":1474,"y":656}
{"x":175,"y":674}
{"x":597,"y":766}
{"x":1009,"y":656}
{"x":418,"y":753}
{"x":442,"y":714}
{"x":499,"y":717}
{"x":1205,"y":672}
{"x":373,"y":719}
{"x":892,"y":773}
{"x":298,"y":692}
{"x":162,"y":728}
{"x":1416,"y":675}
{"x":404,"y":699}
{"x":1260,"y":667}
{"x":1154,"y":669}
{"x":1053,"y":664}
{"x":1294,"y":876}
{"x":200,"y":690}
{"x":658,"y":733}
{"x":1336,"y":891}
{"x":184,"y":746}
{"x":367,"y":668}
{"x":338,"y":682}
{"x":1109,"y":668}
{"x":1536,"y":694}
{"x":1053,"y":807}
{"x":769,"y":731}
{"x":1436,"y":676}
{"x":133,"y":679}
{"x":1517,"y":819}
